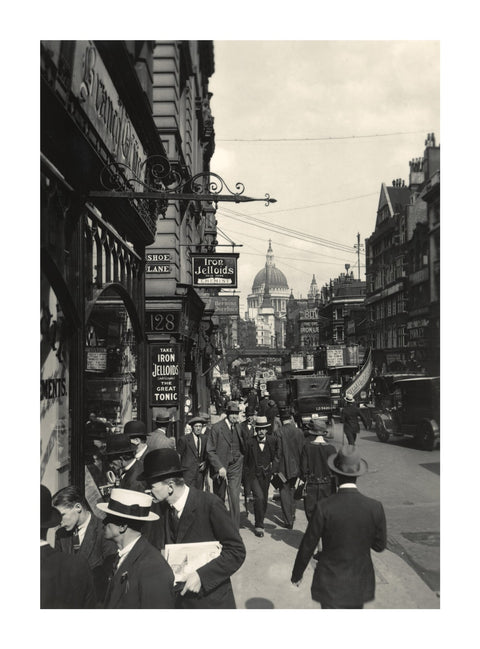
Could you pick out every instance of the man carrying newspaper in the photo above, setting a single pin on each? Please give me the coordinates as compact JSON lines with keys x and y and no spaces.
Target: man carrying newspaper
{"x":196,"y":526}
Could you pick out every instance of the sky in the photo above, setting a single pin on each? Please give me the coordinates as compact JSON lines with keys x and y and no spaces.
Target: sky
{"x":319,"y":125}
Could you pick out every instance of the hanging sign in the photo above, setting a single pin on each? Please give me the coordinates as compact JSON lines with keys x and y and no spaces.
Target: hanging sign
{"x":164,"y":375}
{"x":214,"y":270}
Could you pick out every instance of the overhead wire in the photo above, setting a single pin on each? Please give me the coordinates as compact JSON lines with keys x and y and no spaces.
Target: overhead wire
{"x":317,"y":139}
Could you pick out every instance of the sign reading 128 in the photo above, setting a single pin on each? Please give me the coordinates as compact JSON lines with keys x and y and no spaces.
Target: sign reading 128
{"x":162,"y":321}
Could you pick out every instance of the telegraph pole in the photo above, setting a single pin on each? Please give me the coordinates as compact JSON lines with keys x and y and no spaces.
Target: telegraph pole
{"x":358,"y":247}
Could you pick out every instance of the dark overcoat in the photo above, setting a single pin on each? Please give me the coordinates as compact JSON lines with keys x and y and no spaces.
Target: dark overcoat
{"x":143,"y":580}
{"x":290,"y":442}
{"x":65,"y":580}
{"x":350,"y":525}
{"x":95,"y":549}
{"x":190,"y":457}
{"x":205,"y":518}
{"x":219,"y":445}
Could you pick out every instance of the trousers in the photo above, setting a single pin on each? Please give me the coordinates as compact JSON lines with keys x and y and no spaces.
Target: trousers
{"x":234,"y":479}
{"x":287,"y":501}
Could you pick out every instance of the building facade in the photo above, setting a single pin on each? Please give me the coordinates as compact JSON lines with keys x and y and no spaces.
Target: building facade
{"x":402,"y":258}
{"x":120,"y":320}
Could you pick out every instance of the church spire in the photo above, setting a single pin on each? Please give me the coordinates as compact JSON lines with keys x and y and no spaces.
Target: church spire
{"x":270,"y":261}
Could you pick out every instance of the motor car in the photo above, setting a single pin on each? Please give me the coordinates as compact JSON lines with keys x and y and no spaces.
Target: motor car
{"x":414,"y":412}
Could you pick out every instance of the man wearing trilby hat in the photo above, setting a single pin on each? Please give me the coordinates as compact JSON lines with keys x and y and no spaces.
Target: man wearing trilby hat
{"x":349,"y":525}
{"x":141,"y":577}
{"x":193,"y":516}
{"x":192,"y":449}
{"x":158,"y":437}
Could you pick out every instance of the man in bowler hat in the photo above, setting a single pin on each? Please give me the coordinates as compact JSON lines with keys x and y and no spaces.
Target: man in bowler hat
{"x":65,"y":579}
{"x":140,"y":576}
{"x":259,"y":459}
{"x":314,"y":469}
{"x":192,"y":449}
{"x":290,"y":441}
{"x":225,"y":449}
{"x":193,"y":516}
{"x":350,"y":525}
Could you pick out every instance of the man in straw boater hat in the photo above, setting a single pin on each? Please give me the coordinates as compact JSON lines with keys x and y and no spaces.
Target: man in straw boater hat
{"x":351,"y":413}
{"x":192,"y":449}
{"x":314,"y":469}
{"x":65,"y":579}
{"x":225,"y":449}
{"x":140,"y":576}
{"x":349,"y":525}
{"x":193,"y":516}
{"x":259,"y":459}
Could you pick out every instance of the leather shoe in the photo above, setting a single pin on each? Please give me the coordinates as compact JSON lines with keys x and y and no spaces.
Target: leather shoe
{"x":258,"y":532}
{"x":288,"y":526}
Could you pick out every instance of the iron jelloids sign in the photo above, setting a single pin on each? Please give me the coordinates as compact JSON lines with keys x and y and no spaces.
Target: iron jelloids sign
{"x":214,"y":270}
{"x":164,"y":375}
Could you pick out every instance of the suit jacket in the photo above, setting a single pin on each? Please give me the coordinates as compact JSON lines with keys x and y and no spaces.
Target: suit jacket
{"x":205,"y":518}
{"x":245,"y":432}
{"x":130,"y":479}
{"x":190,"y":457}
{"x":143,"y":580}
{"x":350,"y":415}
{"x":65,"y":580}
{"x":95,"y":549}
{"x":219,"y":447}
{"x":349,"y":524}
{"x":257,"y":463}
{"x":159,"y":439}
{"x":290,"y":442}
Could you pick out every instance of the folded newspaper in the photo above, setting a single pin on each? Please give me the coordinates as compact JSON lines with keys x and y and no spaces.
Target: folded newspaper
{"x":185,"y":558}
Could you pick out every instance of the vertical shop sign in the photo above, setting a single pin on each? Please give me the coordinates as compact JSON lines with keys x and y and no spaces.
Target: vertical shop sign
{"x":164,"y":375}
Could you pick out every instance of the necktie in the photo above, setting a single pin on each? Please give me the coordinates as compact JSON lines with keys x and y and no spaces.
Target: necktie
{"x":173,"y":520}
{"x":115,"y":564}
{"x":76,"y":540}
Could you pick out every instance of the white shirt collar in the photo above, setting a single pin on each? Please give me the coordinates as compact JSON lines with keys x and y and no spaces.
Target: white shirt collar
{"x":180,"y":503}
{"x":83,"y":527}
{"x":129,"y":465}
{"x":124,"y":551}
{"x":42,"y":543}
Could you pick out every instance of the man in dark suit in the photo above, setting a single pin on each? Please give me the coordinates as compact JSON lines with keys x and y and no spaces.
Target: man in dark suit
{"x":290,"y":442}
{"x":140,"y":576}
{"x":65,"y":580}
{"x":247,"y":431}
{"x":349,"y":525}
{"x":225,"y":450}
{"x":192,"y":516}
{"x":192,"y":449}
{"x":259,"y":459}
{"x":81,"y":533}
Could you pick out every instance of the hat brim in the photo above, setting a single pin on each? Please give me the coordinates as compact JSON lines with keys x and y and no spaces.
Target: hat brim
{"x":363,"y":467}
{"x":53,"y":520}
{"x":317,"y":433}
{"x":197,"y":420}
{"x":157,"y":476}
{"x":103,"y":507}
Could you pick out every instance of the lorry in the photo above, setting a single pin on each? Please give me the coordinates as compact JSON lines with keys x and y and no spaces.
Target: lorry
{"x":308,"y":397}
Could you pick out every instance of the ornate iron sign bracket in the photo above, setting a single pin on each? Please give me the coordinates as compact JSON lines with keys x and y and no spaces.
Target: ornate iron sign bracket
{"x":156,"y":180}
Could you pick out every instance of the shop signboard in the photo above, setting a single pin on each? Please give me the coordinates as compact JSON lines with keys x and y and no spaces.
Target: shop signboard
{"x":335,"y":356}
{"x":96,"y":359}
{"x":158,"y":263}
{"x":296,"y":362}
{"x":164,"y":374}
{"x":213,"y":270}
{"x":225,"y":304}
{"x":94,"y":89}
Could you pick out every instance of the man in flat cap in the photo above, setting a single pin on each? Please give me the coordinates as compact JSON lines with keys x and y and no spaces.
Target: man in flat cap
{"x":140,"y":576}
{"x":349,"y":525}
{"x":225,"y":450}
{"x":193,"y":516}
